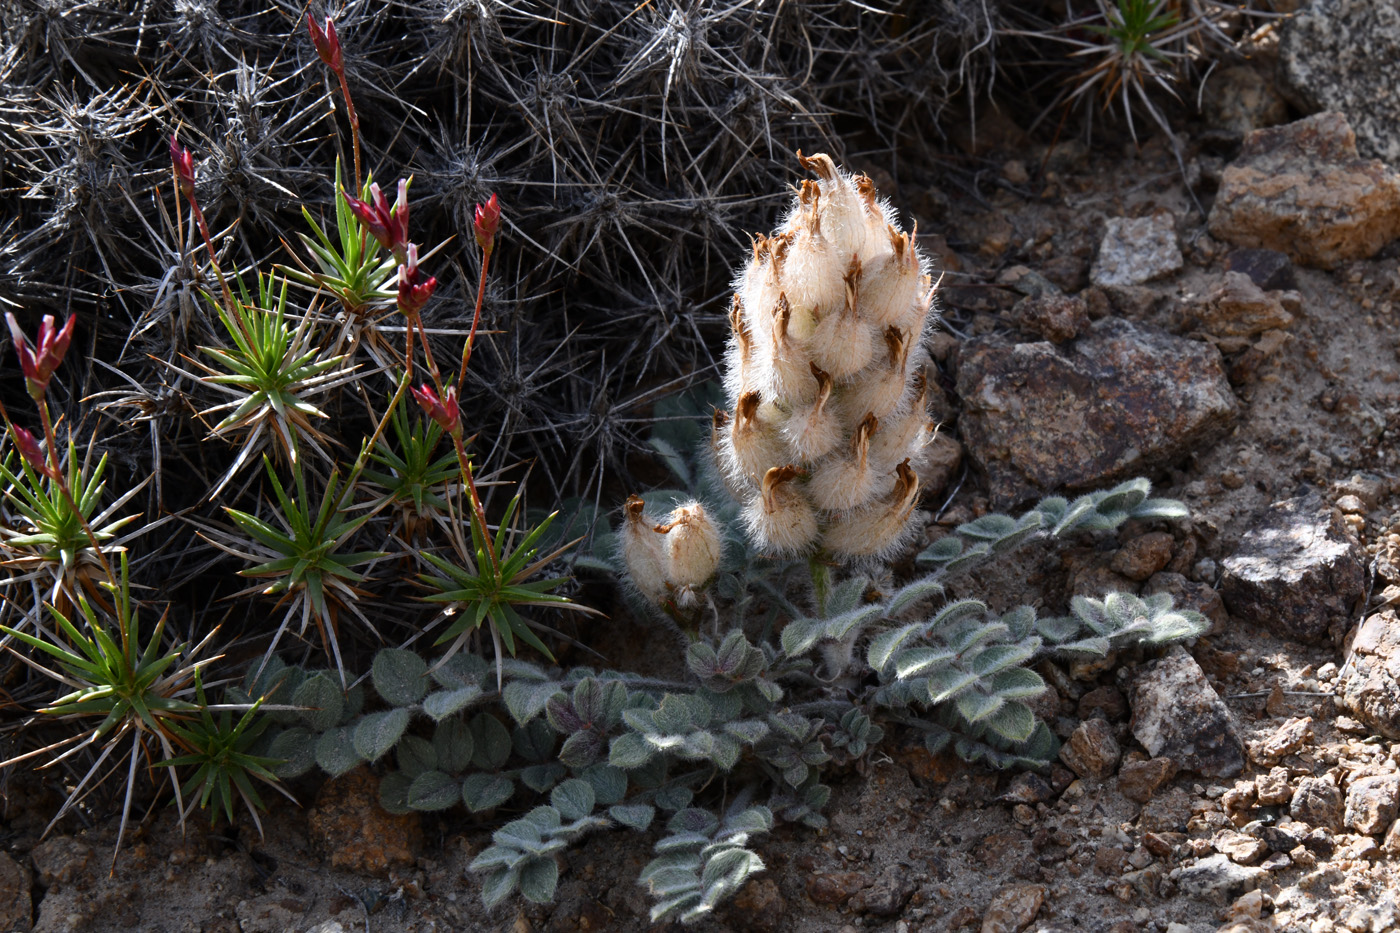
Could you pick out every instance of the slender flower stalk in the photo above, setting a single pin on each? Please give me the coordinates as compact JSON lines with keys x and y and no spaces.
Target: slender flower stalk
{"x":327,"y":45}
{"x":485,"y":224}
{"x":182,"y":163}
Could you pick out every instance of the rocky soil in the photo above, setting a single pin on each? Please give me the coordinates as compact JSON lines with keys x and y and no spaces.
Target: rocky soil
{"x":1098,"y":326}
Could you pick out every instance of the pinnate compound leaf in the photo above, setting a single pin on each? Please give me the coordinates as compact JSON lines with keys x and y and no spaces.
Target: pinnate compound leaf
{"x":912,"y":594}
{"x":491,"y":742}
{"x":1013,"y":721}
{"x":526,"y":699}
{"x":297,"y":750}
{"x":630,"y":750}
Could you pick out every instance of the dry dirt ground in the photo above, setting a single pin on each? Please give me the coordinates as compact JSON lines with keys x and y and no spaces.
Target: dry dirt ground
{"x":922,"y":843}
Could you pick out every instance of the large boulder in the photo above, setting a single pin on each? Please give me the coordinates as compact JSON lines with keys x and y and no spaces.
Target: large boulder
{"x":1120,"y":401}
{"x":1340,"y":55}
{"x":1303,"y":190}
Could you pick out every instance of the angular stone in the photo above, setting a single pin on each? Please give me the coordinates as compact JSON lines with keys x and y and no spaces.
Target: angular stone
{"x":1236,"y":307}
{"x":1373,"y":803}
{"x":1136,"y":250}
{"x":1273,"y":788}
{"x":1121,"y":401}
{"x":1177,"y":714}
{"x":1027,"y":787}
{"x":1317,"y":802}
{"x":885,"y":898}
{"x":1186,"y":594}
{"x":1283,"y":741}
{"x":1302,"y":189}
{"x":1297,"y":571}
{"x":1103,"y":703}
{"x":1336,"y":55}
{"x":1218,"y":878}
{"x":835,"y":887}
{"x":1369,"y":686}
{"x":1143,"y":556}
{"x":1055,"y":317}
{"x":1270,"y":269}
{"x":1091,"y":751}
{"x":1013,"y":908}
{"x":61,"y":861}
{"x":1241,"y":849}
{"x":1139,"y":780}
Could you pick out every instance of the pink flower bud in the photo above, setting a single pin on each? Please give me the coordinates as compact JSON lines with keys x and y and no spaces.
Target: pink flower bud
{"x":414,"y":291}
{"x":444,"y":411}
{"x":389,"y":226}
{"x":326,"y":42}
{"x":183,"y":162}
{"x":38,"y":364}
{"x":486,"y":222}
{"x":29,"y":449}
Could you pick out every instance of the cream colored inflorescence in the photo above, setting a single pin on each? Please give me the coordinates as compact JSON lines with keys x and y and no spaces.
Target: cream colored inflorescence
{"x":827,"y":427}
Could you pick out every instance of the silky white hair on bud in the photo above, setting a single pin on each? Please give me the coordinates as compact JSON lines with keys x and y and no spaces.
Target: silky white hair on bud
{"x":781,"y":518}
{"x":813,"y":430}
{"x":845,"y":480}
{"x":643,"y":551}
{"x":879,"y":528}
{"x":692,"y":546}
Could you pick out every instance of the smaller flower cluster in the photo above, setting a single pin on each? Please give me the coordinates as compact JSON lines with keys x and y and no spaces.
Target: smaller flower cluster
{"x":670,"y":561}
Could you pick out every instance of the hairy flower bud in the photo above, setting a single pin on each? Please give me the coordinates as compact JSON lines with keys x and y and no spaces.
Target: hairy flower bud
{"x":692,"y":546}
{"x":781,"y":518}
{"x":643,"y":551}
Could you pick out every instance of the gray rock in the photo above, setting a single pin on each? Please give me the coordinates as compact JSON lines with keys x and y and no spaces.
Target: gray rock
{"x":1120,"y":401}
{"x":16,"y":906}
{"x":1373,"y":803}
{"x":1239,"y":99}
{"x":1368,"y":685}
{"x":1136,"y":250}
{"x":1302,"y":189}
{"x":1340,"y":55}
{"x":1091,"y":751}
{"x":1178,"y":715}
{"x":1297,"y":572}
{"x":1219,"y":879}
{"x":1317,"y":802}
{"x":330,"y":926}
